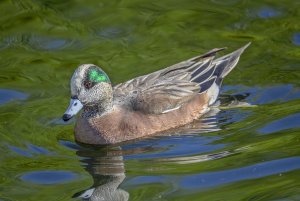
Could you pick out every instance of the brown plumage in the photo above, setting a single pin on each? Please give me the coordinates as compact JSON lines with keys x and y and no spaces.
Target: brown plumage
{"x":148,"y":104}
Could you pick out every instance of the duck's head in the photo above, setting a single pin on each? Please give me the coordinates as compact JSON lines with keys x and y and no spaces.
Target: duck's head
{"x":90,"y":89}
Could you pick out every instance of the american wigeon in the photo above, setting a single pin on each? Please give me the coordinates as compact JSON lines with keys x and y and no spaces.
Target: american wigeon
{"x":148,"y":104}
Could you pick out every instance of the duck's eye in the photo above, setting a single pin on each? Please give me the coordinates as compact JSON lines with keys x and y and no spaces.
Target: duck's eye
{"x":88,"y":84}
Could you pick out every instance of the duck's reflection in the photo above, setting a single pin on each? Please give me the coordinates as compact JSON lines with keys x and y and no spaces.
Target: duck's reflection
{"x":106,"y":166}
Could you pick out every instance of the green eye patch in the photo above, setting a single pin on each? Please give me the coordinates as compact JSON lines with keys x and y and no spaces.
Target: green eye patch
{"x":97,"y":75}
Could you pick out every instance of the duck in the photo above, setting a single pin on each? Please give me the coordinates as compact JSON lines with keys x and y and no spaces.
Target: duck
{"x":149,"y":104}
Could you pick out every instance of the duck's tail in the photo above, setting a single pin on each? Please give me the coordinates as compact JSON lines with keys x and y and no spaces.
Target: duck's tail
{"x":225,"y":64}
{"x":222,"y":67}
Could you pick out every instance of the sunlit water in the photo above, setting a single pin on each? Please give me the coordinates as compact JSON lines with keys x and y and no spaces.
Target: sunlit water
{"x":243,"y":153}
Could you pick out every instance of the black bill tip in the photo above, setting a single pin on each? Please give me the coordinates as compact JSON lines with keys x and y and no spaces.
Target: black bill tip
{"x":66,"y":117}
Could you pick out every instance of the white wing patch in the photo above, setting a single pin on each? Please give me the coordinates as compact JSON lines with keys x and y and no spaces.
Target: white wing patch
{"x":169,"y":110}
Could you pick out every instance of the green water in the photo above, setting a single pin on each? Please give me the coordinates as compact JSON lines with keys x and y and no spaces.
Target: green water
{"x":254,"y":155}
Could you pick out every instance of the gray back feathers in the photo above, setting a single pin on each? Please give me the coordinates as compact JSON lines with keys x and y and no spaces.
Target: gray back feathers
{"x":170,"y":87}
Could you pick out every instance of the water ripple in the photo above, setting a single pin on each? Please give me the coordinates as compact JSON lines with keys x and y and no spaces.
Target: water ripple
{"x":268,"y":12}
{"x":176,"y":146}
{"x":205,"y":180}
{"x":38,"y":42}
{"x":291,"y":121}
{"x":265,"y":95}
{"x":8,"y":95}
{"x":296,"y":39}
{"x":196,"y":159}
{"x":48,"y":177}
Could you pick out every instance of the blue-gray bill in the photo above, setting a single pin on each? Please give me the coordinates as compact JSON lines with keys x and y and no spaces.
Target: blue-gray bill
{"x":74,"y":107}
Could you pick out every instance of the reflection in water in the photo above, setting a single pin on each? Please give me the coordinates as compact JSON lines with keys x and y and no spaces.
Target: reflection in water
{"x":106,"y":166}
{"x":199,"y":158}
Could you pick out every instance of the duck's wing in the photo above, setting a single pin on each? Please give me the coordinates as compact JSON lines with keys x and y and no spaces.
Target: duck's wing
{"x":167,"y":89}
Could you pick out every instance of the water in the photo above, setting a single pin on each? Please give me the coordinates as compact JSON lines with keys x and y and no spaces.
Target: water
{"x":253,"y":153}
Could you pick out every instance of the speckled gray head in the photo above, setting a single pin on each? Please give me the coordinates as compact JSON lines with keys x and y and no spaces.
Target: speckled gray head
{"x":90,"y":88}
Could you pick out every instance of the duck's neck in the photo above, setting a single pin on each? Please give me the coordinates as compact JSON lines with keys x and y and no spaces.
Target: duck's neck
{"x":97,"y":110}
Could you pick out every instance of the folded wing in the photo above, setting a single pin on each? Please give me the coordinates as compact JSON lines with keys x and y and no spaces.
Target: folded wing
{"x":167,"y":89}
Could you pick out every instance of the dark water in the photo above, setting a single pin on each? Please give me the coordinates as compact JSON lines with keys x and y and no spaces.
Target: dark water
{"x":254,"y":153}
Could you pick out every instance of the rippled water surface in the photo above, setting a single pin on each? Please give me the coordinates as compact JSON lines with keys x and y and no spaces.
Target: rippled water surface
{"x":253,"y":152}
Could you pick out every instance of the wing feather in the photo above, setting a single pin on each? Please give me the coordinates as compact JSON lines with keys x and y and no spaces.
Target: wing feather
{"x":169,"y":88}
